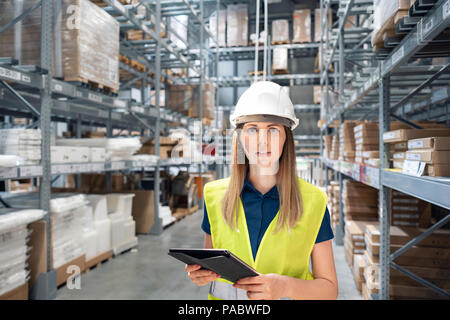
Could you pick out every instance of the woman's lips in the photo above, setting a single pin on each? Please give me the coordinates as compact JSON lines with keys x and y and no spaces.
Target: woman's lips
{"x":263,"y":154}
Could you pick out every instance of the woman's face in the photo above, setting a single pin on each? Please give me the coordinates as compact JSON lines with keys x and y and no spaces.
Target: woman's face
{"x":263,"y":142}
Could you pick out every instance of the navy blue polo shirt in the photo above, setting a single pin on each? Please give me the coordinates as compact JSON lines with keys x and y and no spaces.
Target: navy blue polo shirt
{"x":260,"y":210}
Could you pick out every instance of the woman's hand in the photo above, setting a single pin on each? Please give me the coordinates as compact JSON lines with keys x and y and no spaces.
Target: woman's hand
{"x":200,"y":277}
{"x":263,"y":287}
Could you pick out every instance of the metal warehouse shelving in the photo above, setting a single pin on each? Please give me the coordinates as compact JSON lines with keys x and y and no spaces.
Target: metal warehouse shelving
{"x":390,"y":87}
{"x":37,"y":95}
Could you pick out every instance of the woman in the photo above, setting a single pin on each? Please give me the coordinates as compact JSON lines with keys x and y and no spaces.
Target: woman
{"x":263,"y":213}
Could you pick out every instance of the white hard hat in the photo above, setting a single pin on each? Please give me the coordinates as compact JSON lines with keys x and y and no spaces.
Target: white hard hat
{"x":266,"y":99}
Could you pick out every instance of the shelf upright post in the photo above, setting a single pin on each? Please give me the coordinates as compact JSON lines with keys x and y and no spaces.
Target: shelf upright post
{"x":108,"y":179}
{"x":157,"y":227}
{"x":45,"y":287}
{"x":218,"y":136}
{"x":384,"y":192}
{"x":200,"y":97}
{"x":341,"y":226}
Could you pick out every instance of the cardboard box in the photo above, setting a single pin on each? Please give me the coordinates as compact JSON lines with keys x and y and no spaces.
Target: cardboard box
{"x":434,"y":143}
{"x":399,"y":156}
{"x":19,"y":293}
{"x":367,"y":139}
{"x":280,"y":59}
{"x":143,"y":210}
{"x":402,"y":135}
{"x":400,"y":236}
{"x":401,"y":146}
{"x":429,"y":156}
{"x":37,"y":260}
{"x":367,"y":147}
{"x":437,"y":170}
{"x":318,"y":21}
{"x":367,"y":127}
{"x":301,"y":26}
{"x":62,"y":272}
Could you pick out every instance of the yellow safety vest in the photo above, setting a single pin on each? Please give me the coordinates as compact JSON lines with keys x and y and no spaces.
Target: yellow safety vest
{"x":284,"y":253}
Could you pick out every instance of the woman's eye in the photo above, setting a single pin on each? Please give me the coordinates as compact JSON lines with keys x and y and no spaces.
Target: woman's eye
{"x":251,"y":130}
{"x":274,"y":130}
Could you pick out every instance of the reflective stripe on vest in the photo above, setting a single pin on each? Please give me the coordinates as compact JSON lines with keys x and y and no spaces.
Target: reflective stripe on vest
{"x":226,"y":291}
{"x":286,"y":252}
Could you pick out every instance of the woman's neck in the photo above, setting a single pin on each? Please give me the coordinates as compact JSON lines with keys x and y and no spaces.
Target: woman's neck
{"x":262,"y":183}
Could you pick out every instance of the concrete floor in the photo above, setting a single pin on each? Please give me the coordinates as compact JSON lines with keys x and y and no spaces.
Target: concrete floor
{"x":149,"y":273}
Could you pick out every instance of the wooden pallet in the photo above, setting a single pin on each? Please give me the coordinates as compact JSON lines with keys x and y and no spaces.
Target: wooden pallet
{"x":280,"y":71}
{"x":100,"y":3}
{"x":252,"y":73}
{"x":280,"y":42}
{"x":97,"y":261}
{"x":92,"y":85}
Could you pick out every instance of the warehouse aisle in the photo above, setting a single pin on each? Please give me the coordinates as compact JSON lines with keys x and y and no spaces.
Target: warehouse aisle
{"x":149,"y":273}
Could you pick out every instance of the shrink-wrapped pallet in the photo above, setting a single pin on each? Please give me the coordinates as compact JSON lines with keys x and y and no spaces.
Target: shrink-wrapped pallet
{"x":384,"y":15}
{"x":179,"y":25}
{"x":222,"y":28}
{"x":85,"y":40}
{"x":280,"y":59}
{"x":318,"y":21}
{"x":237,"y":25}
{"x":280,"y":31}
{"x":302,"y":26}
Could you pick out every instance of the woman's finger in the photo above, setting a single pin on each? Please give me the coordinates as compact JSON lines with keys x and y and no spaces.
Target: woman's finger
{"x":251,"y":280}
{"x":192,"y":267}
{"x":201,"y":273}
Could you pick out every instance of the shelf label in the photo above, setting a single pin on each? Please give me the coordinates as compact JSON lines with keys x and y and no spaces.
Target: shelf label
{"x":8,"y":173}
{"x":397,"y":55}
{"x":30,"y":171}
{"x":26,"y":78}
{"x":6,"y":73}
{"x":58,"y":87}
{"x":413,"y":156}
{"x":446,"y":10}
{"x":94,"y":97}
{"x":414,"y":168}
{"x":427,"y":27}
{"x":414,"y":145}
{"x":117,"y":165}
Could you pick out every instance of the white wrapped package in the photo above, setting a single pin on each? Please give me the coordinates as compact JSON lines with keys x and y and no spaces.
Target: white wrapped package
{"x":280,"y":59}
{"x":99,"y":206}
{"x":179,"y":24}
{"x":97,"y":154}
{"x":21,"y":133}
{"x":10,"y":161}
{"x":129,"y":230}
{"x":117,"y":230}
{"x":280,"y":30}
{"x":64,"y":204}
{"x":87,"y":218}
{"x":120,"y":203}
{"x":90,"y":244}
{"x":18,"y":218}
{"x":237,"y":25}
{"x":103,"y":229}
{"x":222,"y":27}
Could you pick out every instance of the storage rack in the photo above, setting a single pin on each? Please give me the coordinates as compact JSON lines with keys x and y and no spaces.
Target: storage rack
{"x":37,"y":95}
{"x":389,"y":87}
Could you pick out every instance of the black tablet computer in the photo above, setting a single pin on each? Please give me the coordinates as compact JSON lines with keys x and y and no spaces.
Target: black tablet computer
{"x":221,"y":261}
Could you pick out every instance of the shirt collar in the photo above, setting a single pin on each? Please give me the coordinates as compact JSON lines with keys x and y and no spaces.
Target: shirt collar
{"x":248,"y":187}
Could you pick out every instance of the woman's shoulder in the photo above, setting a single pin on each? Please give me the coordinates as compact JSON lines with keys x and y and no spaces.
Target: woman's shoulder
{"x":309,"y":188}
{"x":217,"y":184}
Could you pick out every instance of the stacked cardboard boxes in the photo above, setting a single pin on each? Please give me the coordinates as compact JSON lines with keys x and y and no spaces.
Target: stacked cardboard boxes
{"x":318,"y":21}
{"x":435,"y":151}
{"x":409,"y":211}
{"x":280,"y":60}
{"x":86,"y":41}
{"x":302,"y":26}
{"x":366,"y":143}
{"x":360,"y":201}
{"x":334,"y":154}
{"x":327,"y":145}
{"x":354,"y":248}
{"x":333,"y":203}
{"x":184,"y":99}
{"x":429,"y":259}
{"x":166,"y":145}
{"x":347,"y":141}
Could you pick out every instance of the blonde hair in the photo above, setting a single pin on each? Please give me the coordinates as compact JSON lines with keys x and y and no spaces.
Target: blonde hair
{"x":291,"y":206}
